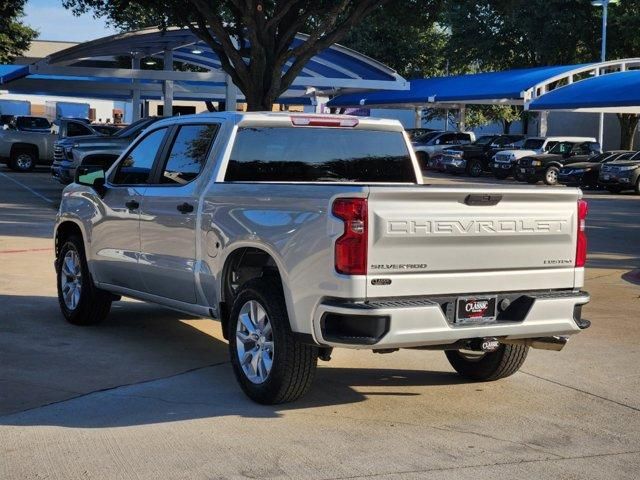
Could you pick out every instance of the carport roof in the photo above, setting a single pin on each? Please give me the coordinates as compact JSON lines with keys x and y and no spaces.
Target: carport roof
{"x":492,"y":87}
{"x":615,"y":93}
{"x":62,"y":73}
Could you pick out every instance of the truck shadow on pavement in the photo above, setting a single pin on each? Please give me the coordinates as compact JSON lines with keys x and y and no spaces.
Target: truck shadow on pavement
{"x":146,"y":365}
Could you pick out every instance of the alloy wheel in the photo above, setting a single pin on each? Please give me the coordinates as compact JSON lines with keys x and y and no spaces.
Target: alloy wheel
{"x":24,"y":161}
{"x":71,"y":279}
{"x":552,"y":176}
{"x":254,"y":342}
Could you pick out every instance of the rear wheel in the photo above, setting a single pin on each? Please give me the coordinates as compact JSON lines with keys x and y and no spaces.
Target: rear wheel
{"x":270,"y":363}
{"x":488,"y":366}
{"x":22,"y":160}
{"x":81,"y":302}
{"x":551,"y":176}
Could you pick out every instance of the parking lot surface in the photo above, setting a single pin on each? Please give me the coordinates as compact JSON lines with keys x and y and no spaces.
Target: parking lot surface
{"x":150,"y":392}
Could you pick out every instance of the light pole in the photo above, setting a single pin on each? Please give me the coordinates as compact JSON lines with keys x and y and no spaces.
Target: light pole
{"x":603,"y":53}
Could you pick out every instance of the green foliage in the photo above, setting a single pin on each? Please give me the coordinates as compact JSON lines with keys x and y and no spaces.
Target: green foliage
{"x":404,"y":35}
{"x":15,"y":37}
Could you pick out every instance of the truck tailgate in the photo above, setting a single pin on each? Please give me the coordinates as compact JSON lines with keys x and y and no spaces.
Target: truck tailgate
{"x":442,"y":240}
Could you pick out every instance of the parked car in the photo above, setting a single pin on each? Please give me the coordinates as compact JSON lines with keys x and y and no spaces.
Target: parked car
{"x":585,"y":174}
{"x":418,"y":132}
{"x":26,"y":142}
{"x":475,"y":157}
{"x":302,"y":233}
{"x":621,"y":175}
{"x":103,"y":150}
{"x":430,"y":144}
{"x":546,"y":166}
{"x":503,"y":164}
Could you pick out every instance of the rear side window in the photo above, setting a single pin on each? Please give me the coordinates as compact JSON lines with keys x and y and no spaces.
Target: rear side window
{"x":188,"y":153}
{"x":305,"y":154}
{"x":136,"y":167}
{"x":32,"y":123}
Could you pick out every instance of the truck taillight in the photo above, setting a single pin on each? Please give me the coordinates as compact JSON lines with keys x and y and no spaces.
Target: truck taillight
{"x":581,"y":246}
{"x":351,"y":247}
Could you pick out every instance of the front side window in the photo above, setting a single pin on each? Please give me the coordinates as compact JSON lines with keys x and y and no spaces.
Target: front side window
{"x":77,"y":129}
{"x":561,"y":148}
{"x":136,"y":167}
{"x":188,"y":153}
{"x":307,"y":154}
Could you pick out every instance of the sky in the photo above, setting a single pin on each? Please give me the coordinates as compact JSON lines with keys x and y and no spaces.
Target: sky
{"x":54,"y":22}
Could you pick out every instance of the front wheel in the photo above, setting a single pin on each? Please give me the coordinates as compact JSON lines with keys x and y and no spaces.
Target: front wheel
{"x":489,"y":366}
{"x":638,"y":186}
{"x":81,"y":302}
{"x":270,"y":363}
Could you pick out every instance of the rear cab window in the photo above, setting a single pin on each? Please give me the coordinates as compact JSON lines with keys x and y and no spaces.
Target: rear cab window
{"x":310,"y":154}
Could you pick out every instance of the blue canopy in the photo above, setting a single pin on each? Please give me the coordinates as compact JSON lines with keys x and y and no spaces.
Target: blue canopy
{"x":614,"y":92}
{"x":478,"y":88}
{"x":12,"y":72}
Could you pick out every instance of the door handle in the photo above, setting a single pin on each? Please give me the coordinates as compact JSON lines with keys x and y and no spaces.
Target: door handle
{"x":132,"y":205}
{"x":185,"y":208}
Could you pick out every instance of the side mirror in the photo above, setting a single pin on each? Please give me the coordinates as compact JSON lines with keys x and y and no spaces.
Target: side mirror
{"x":92,"y":176}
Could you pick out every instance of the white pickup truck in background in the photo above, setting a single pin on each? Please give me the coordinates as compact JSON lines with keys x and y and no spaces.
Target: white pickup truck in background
{"x":303,"y":233}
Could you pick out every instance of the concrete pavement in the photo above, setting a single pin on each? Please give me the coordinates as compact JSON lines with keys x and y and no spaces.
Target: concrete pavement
{"x":150,"y":393}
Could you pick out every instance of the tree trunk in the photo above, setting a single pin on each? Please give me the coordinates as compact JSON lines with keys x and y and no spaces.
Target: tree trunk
{"x":628,"y":127}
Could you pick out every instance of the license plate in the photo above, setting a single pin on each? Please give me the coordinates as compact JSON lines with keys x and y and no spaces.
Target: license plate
{"x":476,"y":310}
{"x":523,"y":170}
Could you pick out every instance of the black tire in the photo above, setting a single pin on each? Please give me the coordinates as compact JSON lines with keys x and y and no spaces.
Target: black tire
{"x":614,"y":189}
{"x":551,"y":175}
{"x":423,"y":160}
{"x":518,"y":176}
{"x":293,"y":363}
{"x":22,"y":160}
{"x":490,"y":366}
{"x":475,"y":168}
{"x":94,"y":304}
{"x":637,"y":189}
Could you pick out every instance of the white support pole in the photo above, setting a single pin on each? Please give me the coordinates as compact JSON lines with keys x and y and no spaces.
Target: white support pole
{"x":167,"y":86}
{"x":543,"y":120}
{"x":446,"y":120}
{"x":462,"y":120}
{"x":231,"y":94}
{"x":417,"y":122}
{"x":135,"y":91}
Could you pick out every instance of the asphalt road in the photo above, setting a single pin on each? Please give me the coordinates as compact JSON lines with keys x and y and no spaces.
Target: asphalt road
{"x":150,"y":394}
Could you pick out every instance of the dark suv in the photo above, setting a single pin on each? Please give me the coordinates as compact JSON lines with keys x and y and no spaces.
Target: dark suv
{"x":476,"y":157}
{"x":621,"y":175}
{"x":546,"y":166}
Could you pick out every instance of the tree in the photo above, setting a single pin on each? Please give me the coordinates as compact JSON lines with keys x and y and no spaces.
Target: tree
{"x":15,"y":37}
{"x":405,"y":35}
{"x":254,"y":39}
{"x":503,"y":34}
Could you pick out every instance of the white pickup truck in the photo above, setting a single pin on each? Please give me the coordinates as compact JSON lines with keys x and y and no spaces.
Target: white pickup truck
{"x":302,"y":233}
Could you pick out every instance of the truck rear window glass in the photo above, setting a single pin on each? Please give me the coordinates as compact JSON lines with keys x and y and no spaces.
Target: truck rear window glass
{"x":307,"y":154}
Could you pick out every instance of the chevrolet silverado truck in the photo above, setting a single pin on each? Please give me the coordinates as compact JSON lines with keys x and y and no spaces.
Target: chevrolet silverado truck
{"x":26,"y":142}
{"x":546,"y":166}
{"x":98,"y":149}
{"x":475,"y":158}
{"x":304,"y":233}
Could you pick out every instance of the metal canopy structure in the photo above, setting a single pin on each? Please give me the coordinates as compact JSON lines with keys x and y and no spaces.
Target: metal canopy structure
{"x":594,"y":87}
{"x":65,"y":73}
{"x":615,"y":93}
{"x":507,"y":87}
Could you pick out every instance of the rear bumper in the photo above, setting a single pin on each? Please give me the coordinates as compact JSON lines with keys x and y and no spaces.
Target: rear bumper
{"x":418,"y":321}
